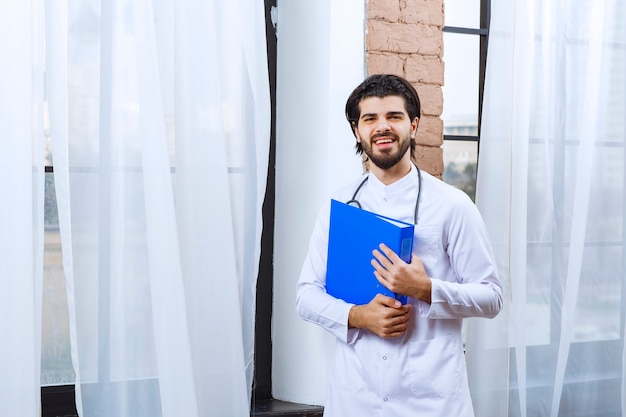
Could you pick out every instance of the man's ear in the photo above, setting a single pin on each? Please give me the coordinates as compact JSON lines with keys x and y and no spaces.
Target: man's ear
{"x":414,"y":125}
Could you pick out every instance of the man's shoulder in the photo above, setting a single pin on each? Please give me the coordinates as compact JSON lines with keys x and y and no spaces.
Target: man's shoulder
{"x":346,"y":192}
{"x":448,"y":197}
{"x":440,"y":185}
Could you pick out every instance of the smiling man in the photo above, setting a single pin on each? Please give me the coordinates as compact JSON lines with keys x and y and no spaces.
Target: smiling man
{"x":393,"y":359}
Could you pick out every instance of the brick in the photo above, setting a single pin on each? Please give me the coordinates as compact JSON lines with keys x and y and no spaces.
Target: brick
{"x":404,"y":38}
{"x":431,"y":99}
{"x":424,"y":69}
{"x":385,"y":63}
{"x":428,"y":12}
{"x":430,"y":131}
{"x":387,"y":10}
{"x":430,"y":159}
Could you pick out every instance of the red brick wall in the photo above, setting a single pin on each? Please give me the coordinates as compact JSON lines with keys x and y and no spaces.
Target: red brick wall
{"x":405,"y":37}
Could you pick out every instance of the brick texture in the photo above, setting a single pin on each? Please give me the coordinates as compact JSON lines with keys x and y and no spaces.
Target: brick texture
{"x":405,"y":37}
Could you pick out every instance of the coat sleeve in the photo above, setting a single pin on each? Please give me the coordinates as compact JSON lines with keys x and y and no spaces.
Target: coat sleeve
{"x":312,"y":302}
{"x":472,"y":287}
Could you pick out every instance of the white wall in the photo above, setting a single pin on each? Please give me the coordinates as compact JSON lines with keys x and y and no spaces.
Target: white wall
{"x":320,"y":61}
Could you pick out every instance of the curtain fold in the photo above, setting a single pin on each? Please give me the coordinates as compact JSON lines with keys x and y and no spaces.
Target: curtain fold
{"x":160,"y":136}
{"x":551,"y":190}
{"x":22,"y":205}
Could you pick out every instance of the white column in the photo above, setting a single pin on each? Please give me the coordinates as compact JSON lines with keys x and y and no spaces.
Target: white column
{"x":320,"y":61}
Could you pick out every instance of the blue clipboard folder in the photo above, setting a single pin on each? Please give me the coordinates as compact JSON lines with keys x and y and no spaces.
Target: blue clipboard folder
{"x":354,"y":233}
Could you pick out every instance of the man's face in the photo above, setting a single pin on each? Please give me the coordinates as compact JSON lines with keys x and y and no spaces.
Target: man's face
{"x":385,"y":130}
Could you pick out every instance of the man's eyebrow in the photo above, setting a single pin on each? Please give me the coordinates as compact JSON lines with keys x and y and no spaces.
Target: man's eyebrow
{"x":389,"y":113}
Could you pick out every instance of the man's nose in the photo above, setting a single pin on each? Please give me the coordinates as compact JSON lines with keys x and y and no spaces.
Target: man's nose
{"x":382,"y":126}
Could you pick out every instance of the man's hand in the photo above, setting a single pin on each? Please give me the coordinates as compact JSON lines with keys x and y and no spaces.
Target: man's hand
{"x":400,"y":277}
{"x":384,"y":316}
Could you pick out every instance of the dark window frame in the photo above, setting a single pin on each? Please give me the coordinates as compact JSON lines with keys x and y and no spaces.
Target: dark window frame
{"x":467,"y":178}
{"x":262,"y":387}
{"x":483,"y":33}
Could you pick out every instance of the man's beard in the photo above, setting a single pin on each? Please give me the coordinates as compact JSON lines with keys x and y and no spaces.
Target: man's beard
{"x":386,"y":160}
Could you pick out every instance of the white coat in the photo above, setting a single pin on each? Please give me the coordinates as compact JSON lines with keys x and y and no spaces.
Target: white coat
{"x":422,"y":373}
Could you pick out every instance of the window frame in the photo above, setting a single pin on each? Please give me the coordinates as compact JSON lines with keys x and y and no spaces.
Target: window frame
{"x":483,"y":33}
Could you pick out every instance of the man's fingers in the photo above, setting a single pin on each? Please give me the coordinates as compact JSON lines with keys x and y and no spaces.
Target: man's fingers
{"x":380,"y":260}
{"x":396,"y":330}
{"x":379,"y":276}
{"x":387,"y":301}
{"x":388,"y":252}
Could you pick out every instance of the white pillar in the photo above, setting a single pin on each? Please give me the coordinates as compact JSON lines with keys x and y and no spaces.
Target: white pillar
{"x":320,"y":61}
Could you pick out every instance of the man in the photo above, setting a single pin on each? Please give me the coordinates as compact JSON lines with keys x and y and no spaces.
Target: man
{"x":393,"y":359}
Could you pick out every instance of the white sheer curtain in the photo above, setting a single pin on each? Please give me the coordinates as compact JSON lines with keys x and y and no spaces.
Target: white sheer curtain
{"x":160,"y":119}
{"x":21,"y":206}
{"x":551,"y":189}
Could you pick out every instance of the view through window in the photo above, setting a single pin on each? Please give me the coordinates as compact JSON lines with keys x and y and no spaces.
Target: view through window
{"x":56,"y":360}
{"x":465,"y":40}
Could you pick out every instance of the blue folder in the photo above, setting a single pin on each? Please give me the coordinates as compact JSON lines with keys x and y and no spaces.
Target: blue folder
{"x":354,"y":233}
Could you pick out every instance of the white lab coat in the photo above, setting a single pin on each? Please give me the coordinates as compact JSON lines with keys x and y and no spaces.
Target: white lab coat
{"x":422,"y":373}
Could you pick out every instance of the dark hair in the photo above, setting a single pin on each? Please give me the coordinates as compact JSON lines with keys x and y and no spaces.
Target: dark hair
{"x":382,"y":85}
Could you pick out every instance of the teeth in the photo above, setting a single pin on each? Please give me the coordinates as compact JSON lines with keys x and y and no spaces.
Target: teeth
{"x":384,"y":141}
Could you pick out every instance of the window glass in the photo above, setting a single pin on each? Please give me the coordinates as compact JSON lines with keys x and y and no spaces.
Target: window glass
{"x":462,"y":13}
{"x":460,"y":90}
{"x":56,"y":360}
{"x":460,"y":163}
{"x":598,"y":309}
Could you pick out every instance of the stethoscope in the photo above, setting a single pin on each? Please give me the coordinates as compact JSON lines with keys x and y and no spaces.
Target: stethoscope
{"x":355,"y":202}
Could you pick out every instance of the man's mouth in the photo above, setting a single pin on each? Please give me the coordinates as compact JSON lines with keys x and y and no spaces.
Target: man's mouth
{"x":384,"y":140}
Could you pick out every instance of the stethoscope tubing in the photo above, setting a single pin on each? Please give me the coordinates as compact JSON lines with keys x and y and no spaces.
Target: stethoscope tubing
{"x":353,"y":201}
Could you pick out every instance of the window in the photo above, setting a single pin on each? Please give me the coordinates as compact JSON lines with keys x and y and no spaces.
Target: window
{"x":465,"y":55}
{"x":57,"y":375}
{"x":57,"y":372}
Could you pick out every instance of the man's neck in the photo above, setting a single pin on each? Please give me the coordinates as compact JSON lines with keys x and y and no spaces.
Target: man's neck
{"x":390,"y":175}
